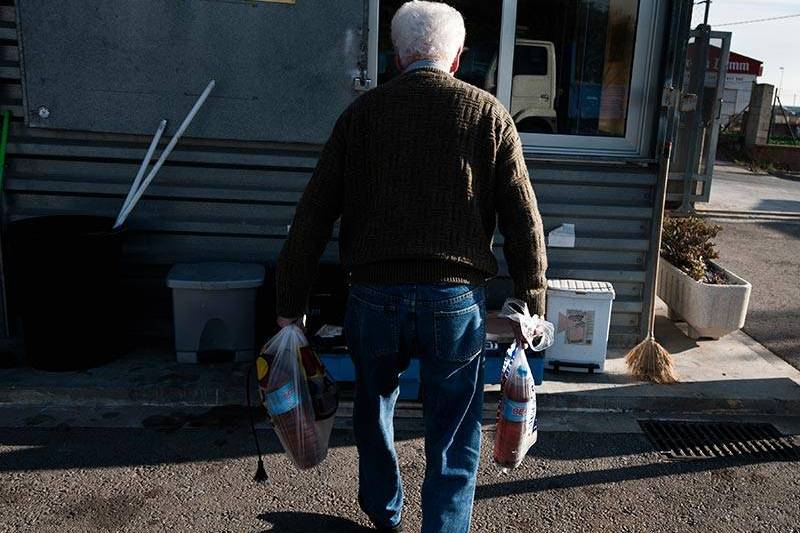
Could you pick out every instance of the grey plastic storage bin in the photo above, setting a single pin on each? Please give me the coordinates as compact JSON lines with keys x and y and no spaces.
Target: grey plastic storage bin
{"x":214,"y":308}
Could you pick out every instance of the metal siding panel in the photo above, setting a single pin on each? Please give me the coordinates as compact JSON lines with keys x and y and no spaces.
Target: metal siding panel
{"x":600,"y":227}
{"x":608,"y":176}
{"x":286,"y":75}
{"x":168,"y":248}
{"x":183,"y":222}
{"x":151,"y":209}
{"x":592,"y":195}
{"x":611,"y":208}
{"x":121,"y":173}
{"x":54,"y":147}
{"x":579,"y":210}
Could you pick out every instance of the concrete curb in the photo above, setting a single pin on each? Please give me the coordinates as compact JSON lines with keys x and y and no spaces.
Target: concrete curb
{"x":751,"y":215}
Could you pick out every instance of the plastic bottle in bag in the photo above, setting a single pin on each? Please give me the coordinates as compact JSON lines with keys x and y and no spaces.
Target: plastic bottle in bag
{"x":288,"y":400}
{"x":516,"y":418}
{"x":516,"y":412}
{"x":293,"y":424}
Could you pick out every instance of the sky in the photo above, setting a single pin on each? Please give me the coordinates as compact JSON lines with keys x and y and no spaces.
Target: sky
{"x":774,"y":42}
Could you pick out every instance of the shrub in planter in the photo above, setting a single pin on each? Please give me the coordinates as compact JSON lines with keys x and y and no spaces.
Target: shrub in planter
{"x":686,"y":244}
{"x":712,"y":300}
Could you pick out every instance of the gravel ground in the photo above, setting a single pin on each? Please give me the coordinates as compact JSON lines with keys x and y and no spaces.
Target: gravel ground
{"x":199,"y":480}
{"x":767,"y":254}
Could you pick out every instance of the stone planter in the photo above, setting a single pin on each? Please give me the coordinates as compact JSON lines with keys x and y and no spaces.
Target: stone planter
{"x":709,"y":310}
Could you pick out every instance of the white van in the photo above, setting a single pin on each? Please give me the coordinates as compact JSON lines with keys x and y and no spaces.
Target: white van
{"x":533,"y":86}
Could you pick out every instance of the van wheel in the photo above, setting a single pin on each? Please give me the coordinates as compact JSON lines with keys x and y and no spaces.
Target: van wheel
{"x":534,"y":125}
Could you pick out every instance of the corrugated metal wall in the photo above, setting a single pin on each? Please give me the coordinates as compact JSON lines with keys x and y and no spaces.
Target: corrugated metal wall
{"x":233,"y":201}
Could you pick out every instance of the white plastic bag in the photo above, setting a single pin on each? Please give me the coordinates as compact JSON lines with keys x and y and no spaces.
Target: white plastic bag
{"x":285,"y":367}
{"x":517,"y":425}
{"x":532,"y":326}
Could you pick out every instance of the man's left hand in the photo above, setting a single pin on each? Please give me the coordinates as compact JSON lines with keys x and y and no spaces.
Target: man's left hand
{"x":298,"y":321}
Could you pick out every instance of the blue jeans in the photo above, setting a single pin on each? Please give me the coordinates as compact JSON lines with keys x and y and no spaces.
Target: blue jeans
{"x":444,"y":325}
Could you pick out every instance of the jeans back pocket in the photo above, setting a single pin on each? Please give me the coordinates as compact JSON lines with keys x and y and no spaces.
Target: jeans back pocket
{"x":459,"y":334}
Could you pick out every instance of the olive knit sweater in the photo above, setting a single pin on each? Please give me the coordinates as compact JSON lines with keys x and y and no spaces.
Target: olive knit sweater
{"x":420,"y":170}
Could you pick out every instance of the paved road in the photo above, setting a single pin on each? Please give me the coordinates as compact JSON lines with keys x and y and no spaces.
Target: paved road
{"x":199,"y":480}
{"x":767,"y":254}
{"x":734,"y":188}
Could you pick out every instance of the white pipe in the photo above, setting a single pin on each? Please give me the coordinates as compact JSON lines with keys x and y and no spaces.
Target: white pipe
{"x":167,"y":151}
{"x":139,"y":175}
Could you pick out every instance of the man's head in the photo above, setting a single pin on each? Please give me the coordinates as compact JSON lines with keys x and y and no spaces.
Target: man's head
{"x":428,"y":30}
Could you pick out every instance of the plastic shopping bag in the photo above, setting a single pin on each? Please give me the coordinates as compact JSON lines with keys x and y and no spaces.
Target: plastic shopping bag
{"x":517,"y":425}
{"x":299,"y":395}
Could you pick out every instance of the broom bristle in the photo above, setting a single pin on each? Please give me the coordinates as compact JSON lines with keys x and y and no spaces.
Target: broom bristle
{"x":651,"y":362}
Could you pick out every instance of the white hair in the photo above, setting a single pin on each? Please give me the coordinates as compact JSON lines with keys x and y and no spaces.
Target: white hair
{"x":427,"y":30}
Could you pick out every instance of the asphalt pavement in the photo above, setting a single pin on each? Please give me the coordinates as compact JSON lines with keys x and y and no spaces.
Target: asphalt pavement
{"x":737,"y":189}
{"x":761,"y":243}
{"x":199,"y":480}
{"x":767,"y":254}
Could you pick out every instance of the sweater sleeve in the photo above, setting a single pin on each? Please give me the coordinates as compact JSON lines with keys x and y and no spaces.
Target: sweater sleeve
{"x":520,"y":223}
{"x":319,"y":208}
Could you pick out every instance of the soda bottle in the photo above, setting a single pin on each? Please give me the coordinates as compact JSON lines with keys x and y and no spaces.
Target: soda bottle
{"x":516,"y":418}
{"x":292,"y":416}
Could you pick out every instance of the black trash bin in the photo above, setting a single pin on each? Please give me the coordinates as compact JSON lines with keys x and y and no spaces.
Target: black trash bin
{"x":65,"y":279}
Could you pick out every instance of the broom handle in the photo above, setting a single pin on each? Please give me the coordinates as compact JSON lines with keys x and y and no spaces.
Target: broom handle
{"x":663,"y":179}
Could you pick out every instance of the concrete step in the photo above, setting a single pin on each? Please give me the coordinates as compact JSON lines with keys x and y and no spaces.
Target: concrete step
{"x":733,"y":375}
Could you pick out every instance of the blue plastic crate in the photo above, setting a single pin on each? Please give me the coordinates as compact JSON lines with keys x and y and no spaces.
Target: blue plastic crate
{"x":341,"y":369}
{"x":340,"y":366}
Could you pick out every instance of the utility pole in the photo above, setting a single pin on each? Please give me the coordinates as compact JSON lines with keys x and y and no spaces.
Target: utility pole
{"x":780,"y":85}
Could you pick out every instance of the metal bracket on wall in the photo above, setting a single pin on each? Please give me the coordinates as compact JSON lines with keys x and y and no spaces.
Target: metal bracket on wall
{"x":362,"y":82}
{"x":669,"y":97}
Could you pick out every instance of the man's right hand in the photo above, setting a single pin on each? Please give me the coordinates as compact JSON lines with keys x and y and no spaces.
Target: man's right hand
{"x":518,"y":334}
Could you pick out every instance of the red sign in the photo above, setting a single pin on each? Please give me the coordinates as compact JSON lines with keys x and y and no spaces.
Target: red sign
{"x":737,"y":63}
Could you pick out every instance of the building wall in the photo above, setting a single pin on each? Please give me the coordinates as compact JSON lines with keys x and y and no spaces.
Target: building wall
{"x":219,"y":200}
{"x":737,"y":91}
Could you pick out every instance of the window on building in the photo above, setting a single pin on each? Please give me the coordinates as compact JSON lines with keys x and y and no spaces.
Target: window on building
{"x":590,"y":45}
{"x":576,"y":75}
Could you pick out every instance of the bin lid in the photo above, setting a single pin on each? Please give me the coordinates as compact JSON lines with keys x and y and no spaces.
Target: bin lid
{"x":215,"y":276}
{"x":598,"y":290}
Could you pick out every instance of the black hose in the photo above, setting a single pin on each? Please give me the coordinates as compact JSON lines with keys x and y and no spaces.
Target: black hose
{"x":261,"y":473}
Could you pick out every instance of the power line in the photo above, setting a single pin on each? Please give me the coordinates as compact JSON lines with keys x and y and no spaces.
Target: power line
{"x":757,"y":20}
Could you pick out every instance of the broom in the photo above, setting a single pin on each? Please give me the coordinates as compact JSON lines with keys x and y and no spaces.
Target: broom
{"x":649,"y":360}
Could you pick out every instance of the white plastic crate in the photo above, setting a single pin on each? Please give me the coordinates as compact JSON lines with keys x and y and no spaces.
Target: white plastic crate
{"x":581,"y":313}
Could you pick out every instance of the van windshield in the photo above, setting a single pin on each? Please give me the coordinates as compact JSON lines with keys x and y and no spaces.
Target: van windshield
{"x":530,"y":60}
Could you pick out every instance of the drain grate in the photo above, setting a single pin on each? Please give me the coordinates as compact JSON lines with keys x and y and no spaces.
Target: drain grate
{"x":701,"y":440}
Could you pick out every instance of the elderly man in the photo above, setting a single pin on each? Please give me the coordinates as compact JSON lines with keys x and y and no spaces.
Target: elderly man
{"x":420,"y":170}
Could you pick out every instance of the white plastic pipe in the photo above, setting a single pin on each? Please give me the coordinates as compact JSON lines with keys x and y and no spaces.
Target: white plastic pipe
{"x":168,"y":150}
{"x":139,"y":175}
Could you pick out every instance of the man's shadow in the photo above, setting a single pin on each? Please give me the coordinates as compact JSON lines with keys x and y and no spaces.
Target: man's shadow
{"x":291,"y":521}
